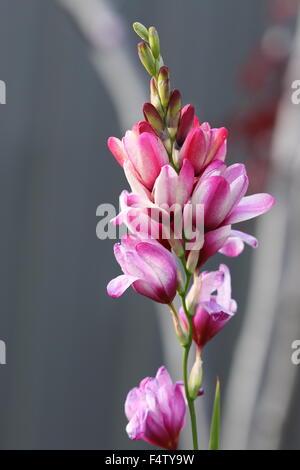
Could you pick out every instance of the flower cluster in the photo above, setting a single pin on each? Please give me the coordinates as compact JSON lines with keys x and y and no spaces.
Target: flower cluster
{"x":183,"y":203}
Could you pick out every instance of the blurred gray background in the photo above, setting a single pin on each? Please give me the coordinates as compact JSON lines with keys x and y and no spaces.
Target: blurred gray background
{"x":73,"y":353}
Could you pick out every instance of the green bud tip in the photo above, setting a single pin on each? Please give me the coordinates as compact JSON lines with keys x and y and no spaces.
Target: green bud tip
{"x":163,"y":85}
{"x":154,"y":42}
{"x":141,"y":31}
{"x":146,"y":57}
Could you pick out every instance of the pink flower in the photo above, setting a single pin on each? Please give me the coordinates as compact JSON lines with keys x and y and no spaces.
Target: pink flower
{"x":148,"y":216}
{"x":142,"y":154}
{"x":156,"y":411}
{"x":211,"y":312}
{"x":147,"y":266}
{"x":221,"y":190}
{"x":203,"y":145}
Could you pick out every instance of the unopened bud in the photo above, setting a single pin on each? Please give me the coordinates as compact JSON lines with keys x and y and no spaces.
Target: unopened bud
{"x":153,"y":117}
{"x":163,"y":86}
{"x":192,"y":261}
{"x":186,"y":122}
{"x":195,"y":379}
{"x":176,"y":246}
{"x":180,"y":329}
{"x":154,"y":42}
{"x":141,"y":31}
{"x":154,"y":97}
{"x":168,"y":145}
{"x":180,"y":283}
{"x":175,"y":157}
{"x":146,"y":57}
{"x":173,"y":114}
{"x":193,"y":296}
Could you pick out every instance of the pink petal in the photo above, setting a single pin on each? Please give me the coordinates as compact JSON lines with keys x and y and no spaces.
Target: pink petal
{"x":214,"y":193}
{"x":194,"y":149}
{"x":134,"y":180}
{"x":185,"y":124}
{"x":213,"y":241}
{"x":235,"y":243}
{"x":249,"y":207}
{"x":211,"y":281}
{"x":117,"y":149}
{"x":224,"y":291}
{"x":162,"y":264}
{"x":116,"y":287}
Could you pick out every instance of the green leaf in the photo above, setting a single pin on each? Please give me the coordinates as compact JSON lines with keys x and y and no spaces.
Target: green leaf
{"x":214,"y":440}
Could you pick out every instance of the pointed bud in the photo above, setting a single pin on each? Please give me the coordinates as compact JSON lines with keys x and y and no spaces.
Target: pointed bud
{"x":176,"y":246}
{"x":153,"y":117}
{"x":193,"y":296}
{"x":154,"y":42}
{"x":146,"y":57}
{"x":173,"y":113}
{"x":141,"y":31}
{"x":163,"y":86}
{"x":195,"y":379}
{"x":154,"y":97}
{"x":192,"y":261}
{"x":180,"y":283}
{"x":186,"y":123}
{"x":180,"y":328}
{"x":168,"y":145}
{"x":175,"y":157}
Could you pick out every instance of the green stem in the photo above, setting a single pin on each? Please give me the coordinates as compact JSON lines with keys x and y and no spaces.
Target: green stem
{"x":187,"y":348}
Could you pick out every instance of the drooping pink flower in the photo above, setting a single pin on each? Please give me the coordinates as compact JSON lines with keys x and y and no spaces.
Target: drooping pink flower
{"x":141,"y":154}
{"x":156,"y":411}
{"x":211,"y":312}
{"x":148,"y":267}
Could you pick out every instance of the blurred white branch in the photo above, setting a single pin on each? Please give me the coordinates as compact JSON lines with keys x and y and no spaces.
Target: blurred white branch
{"x":262,"y":379}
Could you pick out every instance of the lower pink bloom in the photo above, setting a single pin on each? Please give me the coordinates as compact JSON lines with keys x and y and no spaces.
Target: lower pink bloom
{"x":211,"y":312}
{"x":156,"y":411}
{"x":148,"y":267}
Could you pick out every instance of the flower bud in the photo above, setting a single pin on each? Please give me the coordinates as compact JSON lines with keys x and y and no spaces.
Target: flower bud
{"x":153,"y":117}
{"x":192,"y":299}
{"x":141,"y":31}
{"x":195,"y":379}
{"x":176,"y":246}
{"x":163,"y":86}
{"x":180,"y":328}
{"x":192,"y":261}
{"x":154,"y":97}
{"x":180,"y":283}
{"x":154,"y":42}
{"x":186,"y":123}
{"x":173,"y":114}
{"x":146,"y":57}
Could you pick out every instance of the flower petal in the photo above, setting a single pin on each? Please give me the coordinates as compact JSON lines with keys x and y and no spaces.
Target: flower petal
{"x":116,"y":287}
{"x":249,"y":207}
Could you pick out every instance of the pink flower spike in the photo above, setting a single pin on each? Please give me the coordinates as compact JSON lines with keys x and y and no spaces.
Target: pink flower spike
{"x":148,"y":267}
{"x":156,"y":411}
